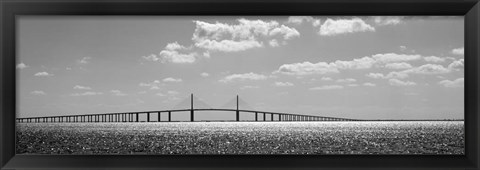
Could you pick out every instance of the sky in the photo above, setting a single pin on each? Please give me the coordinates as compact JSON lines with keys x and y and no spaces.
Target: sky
{"x":360,"y":67}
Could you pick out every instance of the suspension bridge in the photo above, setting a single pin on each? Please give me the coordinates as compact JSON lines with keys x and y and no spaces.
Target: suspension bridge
{"x":156,"y":115}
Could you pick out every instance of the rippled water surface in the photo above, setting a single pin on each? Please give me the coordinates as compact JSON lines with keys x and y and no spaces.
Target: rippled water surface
{"x":395,"y":137}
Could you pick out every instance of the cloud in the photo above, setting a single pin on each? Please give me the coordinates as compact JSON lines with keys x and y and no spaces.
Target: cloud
{"x":273,"y":43}
{"x":171,"y":92}
{"x":38,"y":92}
{"x":393,"y":57}
{"x":348,"y":80}
{"x":398,"y":66}
{"x":287,"y":32}
{"x":249,"y":87}
{"x":117,"y":93}
{"x":327,"y":87}
{"x":428,"y":69}
{"x":247,"y":34}
{"x":458,"y":51}
{"x":434,"y":59}
{"x":456,"y":65}
{"x":307,"y":68}
{"x":453,"y":84}
{"x":42,"y":74}
{"x":283,"y":84}
{"x":170,"y":79}
{"x":369,"y":84}
{"x":342,"y":26}
{"x":21,"y":66}
{"x":300,"y":19}
{"x":361,"y":63}
{"x":326,"y":79}
{"x":85,"y":60}
{"x":151,"y":57}
{"x":88,"y":93}
{"x":78,"y":87}
{"x":353,"y":85}
{"x":204,"y":74}
{"x":375,"y":75}
{"x":388,"y":20}
{"x":397,"y":75}
{"x":396,"y":82}
{"x":245,"y":76}
{"x":171,"y":54}
{"x":155,"y":85}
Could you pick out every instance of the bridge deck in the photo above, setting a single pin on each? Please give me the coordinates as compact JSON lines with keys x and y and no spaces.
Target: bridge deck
{"x":134,"y":116}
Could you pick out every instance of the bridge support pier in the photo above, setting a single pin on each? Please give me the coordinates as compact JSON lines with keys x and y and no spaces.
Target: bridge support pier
{"x":264,"y":117}
{"x":148,"y":117}
{"x":256,"y":116}
{"x":159,"y":115}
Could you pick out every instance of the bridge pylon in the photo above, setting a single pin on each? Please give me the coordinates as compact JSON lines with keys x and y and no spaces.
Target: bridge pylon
{"x":237,"y":112}
{"x":191,"y":108}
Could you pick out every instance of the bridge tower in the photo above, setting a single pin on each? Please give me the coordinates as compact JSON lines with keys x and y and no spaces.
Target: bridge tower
{"x":191,"y":108}
{"x":237,"y":111}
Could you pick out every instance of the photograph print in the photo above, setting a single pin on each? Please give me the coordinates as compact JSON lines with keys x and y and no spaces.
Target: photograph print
{"x":162,"y":85}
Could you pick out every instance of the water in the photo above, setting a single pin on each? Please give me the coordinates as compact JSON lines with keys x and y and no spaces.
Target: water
{"x":399,"y":137}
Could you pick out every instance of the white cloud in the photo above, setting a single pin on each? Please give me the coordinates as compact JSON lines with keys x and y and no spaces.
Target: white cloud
{"x":228,"y":45}
{"x":453,"y":84}
{"x":245,"y":76}
{"x":458,"y":51}
{"x":334,"y":27}
{"x":171,"y":54}
{"x":388,"y":20}
{"x":327,"y":87}
{"x":171,"y":92}
{"x":155,"y":85}
{"x":398,"y":66}
{"x":43,"y":74}
{"x":361,"y":63}
{"x":287,"y":32}
{"x":369,"y":84}
{"x":429,"y":69}
{"x":78,"y":87}
{"x":352,"y":85}
{"x":117,"y":93}
{"x":204,"y":74}
{"x":283,"y":84}
{"x":393,"y":57}
{"x":375,"y":75}
{"x":249,"y":87}
{"x":21,"y":66}
{"x":85,"y":60}
{"x":273,"y":43}
{"x":456,"y":65}
{"x":397,"y":75}
{"x":151,"y":57}
{"x":88,"y":93}
{"x":245,"y":35}
{"x":206,"y":54}
{"x":307,"y":68}
{"x":326,"y":79}
{"x":300,"y":19}
{"x":348,"y":80}
{"x":434,"y":59}
{"x":170,"y":79}
{"x":396,"y":82}
{"x":38,"y":92}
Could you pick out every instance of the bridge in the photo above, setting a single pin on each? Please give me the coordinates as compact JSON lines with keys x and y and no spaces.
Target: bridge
{"x":155,"y":116}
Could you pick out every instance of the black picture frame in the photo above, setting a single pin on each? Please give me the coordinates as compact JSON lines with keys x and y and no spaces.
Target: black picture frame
{"x":12,"y":8}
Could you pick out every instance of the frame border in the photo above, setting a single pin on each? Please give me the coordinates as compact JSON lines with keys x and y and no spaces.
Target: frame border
{"x":11,"y":8}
